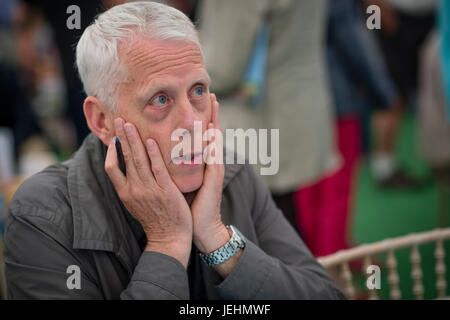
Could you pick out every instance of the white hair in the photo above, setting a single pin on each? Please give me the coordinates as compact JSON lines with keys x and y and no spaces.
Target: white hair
{"x":97,"y":56}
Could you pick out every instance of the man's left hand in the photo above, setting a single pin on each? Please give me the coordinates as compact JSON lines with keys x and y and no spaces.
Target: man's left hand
{"x":209,"y":232}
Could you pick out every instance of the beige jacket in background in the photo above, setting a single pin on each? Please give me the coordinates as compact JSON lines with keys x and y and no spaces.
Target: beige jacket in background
{"x":296,"y":97}
{"x":434,"y":129}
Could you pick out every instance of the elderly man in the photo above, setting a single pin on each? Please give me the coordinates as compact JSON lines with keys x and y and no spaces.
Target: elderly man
{"x":155,"y":228}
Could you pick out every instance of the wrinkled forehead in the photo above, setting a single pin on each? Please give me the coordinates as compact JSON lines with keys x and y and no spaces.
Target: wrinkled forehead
{"x":148,"y":56}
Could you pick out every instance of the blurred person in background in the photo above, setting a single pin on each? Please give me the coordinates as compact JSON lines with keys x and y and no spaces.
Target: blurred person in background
{"x":295,"y":95}
{"x":356,"y":80}
{"x":16,"y":111}
{"x":55,"y":15}
{"x":39,"y":67}
{"x":404,"y":26}
{"x":444,"y":29}
{"x":40,"y":54}
{"x":7,"y":8}
{"x":434,"y":125}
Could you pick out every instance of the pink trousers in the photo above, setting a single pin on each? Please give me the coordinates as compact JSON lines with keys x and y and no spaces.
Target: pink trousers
{"x":323,"y":208}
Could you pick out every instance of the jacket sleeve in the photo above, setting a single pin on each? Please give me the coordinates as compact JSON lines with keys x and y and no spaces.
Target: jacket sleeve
{"x":38,"y":254}
{"x":280,"y":266}
{"x":157,"y":277}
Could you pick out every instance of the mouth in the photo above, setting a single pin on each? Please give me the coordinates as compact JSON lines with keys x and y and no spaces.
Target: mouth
{"x":190,"y":159}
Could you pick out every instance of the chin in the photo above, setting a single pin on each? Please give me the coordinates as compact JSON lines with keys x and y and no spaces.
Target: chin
{"x":189,"y":182}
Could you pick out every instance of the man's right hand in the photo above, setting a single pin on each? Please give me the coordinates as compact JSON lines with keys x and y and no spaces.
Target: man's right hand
{"x":149,"y":193}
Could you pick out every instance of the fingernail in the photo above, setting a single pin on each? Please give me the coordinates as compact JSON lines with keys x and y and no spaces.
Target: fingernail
{"x":150,"y":143}
{"x":118,"y":123}
{"x":128,"y":128}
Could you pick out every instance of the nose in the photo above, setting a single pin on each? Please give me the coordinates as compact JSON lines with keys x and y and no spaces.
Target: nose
{"x":187,"y":115}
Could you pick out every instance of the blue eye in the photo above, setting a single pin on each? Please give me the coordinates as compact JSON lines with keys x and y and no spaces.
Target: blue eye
{"x":159,"y":101}
{"x":198,"y":91}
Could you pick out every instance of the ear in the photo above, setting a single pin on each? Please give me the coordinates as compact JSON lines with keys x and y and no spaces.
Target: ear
{"x":98,"y":118}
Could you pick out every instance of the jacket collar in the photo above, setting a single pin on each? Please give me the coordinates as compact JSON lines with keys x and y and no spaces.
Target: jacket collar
{"x":99,"y":221}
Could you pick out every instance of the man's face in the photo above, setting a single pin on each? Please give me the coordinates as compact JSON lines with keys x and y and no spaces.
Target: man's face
{"x":167,"y":89}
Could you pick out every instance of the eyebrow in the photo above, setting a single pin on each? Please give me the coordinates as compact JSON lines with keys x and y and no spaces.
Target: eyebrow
{"x":157,"y":86}
{"x":203,"y":78}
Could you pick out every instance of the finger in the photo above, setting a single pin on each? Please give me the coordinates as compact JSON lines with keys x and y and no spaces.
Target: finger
{"x":215,"y":146}
{"x":218,"y":135}
{"x":158,"y":166}
{"x":213,"y":101}
{"x":139,"y":154}
{"x":126,"y":150}
{"x":215,"y":112}
{"x":112,"y":166}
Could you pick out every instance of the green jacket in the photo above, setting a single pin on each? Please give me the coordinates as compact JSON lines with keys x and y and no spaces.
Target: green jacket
{"x":69,"y":214}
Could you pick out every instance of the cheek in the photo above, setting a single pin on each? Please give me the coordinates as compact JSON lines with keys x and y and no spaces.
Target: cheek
{"x":109,"y":123}
{"x":203,"y":106}
{"x":205,"y":116}
{"x":162,"y":137}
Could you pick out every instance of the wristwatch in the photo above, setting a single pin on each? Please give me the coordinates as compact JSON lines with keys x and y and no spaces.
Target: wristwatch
{"x":229,"y":249}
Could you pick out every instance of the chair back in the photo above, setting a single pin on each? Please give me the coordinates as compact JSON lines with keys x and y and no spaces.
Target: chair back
{"x":366,"y":252}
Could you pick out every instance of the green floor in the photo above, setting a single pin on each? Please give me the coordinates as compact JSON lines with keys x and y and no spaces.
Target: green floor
{"x":381,"y":214}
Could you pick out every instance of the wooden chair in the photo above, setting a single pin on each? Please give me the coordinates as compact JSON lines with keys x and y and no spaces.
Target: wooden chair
{"x":341,"y":259}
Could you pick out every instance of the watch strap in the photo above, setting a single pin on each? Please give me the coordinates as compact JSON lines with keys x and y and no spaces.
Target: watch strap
{"x":229,"y":249}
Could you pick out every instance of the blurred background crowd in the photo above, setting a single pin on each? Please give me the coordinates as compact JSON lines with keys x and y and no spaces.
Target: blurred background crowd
{"x":363,"y":113}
